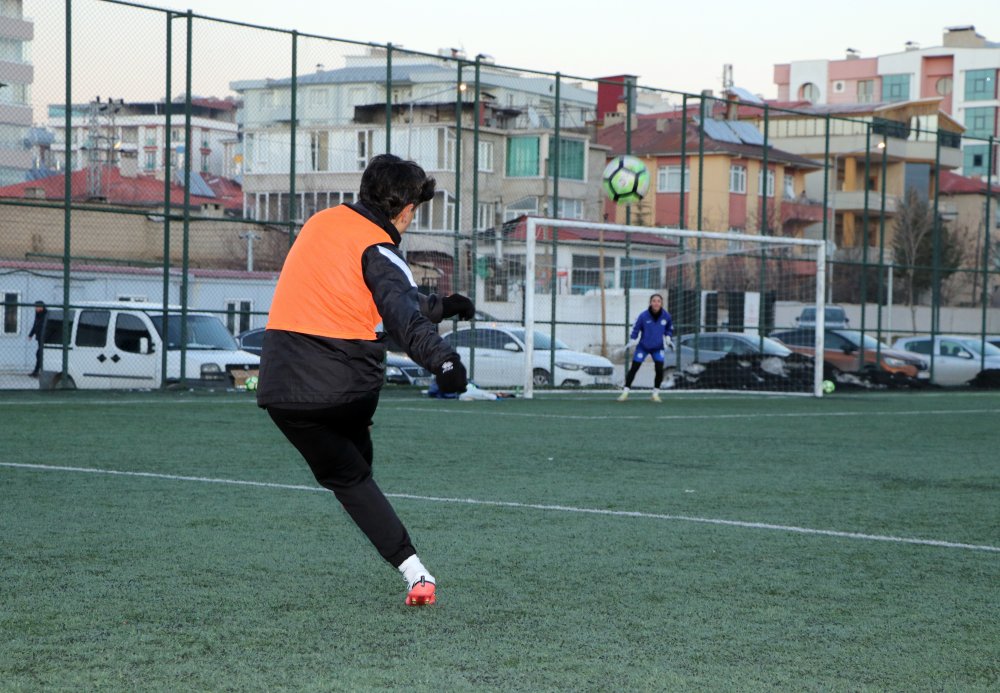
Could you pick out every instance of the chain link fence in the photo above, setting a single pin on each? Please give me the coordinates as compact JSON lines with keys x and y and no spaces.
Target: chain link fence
{"x":177,"y":162}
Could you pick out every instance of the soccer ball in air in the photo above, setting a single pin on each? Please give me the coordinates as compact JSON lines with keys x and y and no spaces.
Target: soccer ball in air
{"x":626,"y":179}
{"x":251,"y":383}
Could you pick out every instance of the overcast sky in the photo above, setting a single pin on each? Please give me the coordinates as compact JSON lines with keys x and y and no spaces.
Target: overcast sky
{"x":118,"y":50}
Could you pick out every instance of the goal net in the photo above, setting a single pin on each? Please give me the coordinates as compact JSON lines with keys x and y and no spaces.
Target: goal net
{"x":581,"y":285}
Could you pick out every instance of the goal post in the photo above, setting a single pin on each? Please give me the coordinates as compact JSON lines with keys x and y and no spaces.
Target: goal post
{"x":727,"y":291}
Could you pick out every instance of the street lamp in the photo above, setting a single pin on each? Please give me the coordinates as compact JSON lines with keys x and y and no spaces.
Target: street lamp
{"x":409,"y":125}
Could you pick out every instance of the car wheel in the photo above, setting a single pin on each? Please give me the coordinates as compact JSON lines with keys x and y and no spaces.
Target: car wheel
{"x":540,"y":377}
{"x":571,"y":383}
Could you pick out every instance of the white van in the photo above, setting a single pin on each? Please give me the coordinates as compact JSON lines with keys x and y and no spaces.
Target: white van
{"x":120,"y":346}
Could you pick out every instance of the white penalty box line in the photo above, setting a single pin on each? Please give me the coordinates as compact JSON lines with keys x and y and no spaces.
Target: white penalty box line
{"x":527,"y":506}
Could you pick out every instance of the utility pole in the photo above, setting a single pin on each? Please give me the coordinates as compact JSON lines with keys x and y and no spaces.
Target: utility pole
{"x":250,"y":237}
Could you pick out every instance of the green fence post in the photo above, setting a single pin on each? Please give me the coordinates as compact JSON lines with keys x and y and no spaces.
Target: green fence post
{"x":388,"y":99}
{"x":475,"y":207}
{"x":763,"y":175}
{"x":459,"y":103}
{"x":187,"y":197}
{"x":554,"y":154}
{"x":167,"y":208}
{"x":864,"y":243}
{"x":67,"y":190}
{"x":881,"y":248}
{"x":294,"y":131}
{"x":987,"y":223}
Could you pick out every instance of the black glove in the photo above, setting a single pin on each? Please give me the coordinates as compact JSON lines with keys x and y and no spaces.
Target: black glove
{"x":459,"y":305}
{"x":451,"y":377}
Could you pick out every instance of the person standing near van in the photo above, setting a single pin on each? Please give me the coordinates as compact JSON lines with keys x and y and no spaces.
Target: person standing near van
{"x":38,"y":332}
{"x":322,"y":363}
{"x":651,"y":334}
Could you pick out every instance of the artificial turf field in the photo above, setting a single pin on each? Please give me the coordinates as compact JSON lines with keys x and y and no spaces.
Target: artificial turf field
{"x":175,"y":541}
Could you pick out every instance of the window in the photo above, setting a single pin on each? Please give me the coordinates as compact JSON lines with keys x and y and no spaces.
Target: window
{"x":486,"y":157}
{"x":363,"y":149}
{"x":487,"y":218}
{"x":770,"y":182}
{"x":895,"y":87}
{"x":522,"y":157}
{"x":10,"y":313}
{"x":150,"y":162}
{"x":639,"y":273}
{"x":668,"y":179}
{"x":789,"y":186}
{"x":980,"y":85}
{"x":866,"y":90}
{"x":922,"y":346}
{"x":738,"y":179}
{"x":571,"y":158}
{"x":204,"y":163}
{"x":319,"y":147}
{"x":943,"y":86}
{"x":809,"y":92}
{"x":129,"y":330}
{"x":92,"y":328}
{"x":318,"y":97}
{"x":569,"y":209}
{"x":238,"y":315}
{"x":975,"y":160}
{"x":979,"y":122}
{"x":524,"y":206}
{"x":587,"y":273}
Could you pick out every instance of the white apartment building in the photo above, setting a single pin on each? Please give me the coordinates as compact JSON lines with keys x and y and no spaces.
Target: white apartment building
{"x":16,"y":77}
{"x":134,"y":135}
{"x":341,"y":119}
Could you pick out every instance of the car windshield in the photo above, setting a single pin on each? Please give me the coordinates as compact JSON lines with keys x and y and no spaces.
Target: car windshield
{"x":542,"y":341}
{"x":203,"y":332}
{"x":774,"y":348}
{"x":976,"y":347}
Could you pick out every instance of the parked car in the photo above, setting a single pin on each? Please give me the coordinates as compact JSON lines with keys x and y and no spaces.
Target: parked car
{"x":833,"y":317}
{"x":711,"y":346}
{"x":400,"y":369}
{"x":843,"y":353}
{"x":121,"y":345}
{"x":500,"y":358}
{"x":957,"y":359}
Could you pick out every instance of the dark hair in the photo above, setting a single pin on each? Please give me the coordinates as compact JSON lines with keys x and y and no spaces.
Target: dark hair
{"x":654,"y":296}
{"x":390,"y":183}
{"x":40,"y":304}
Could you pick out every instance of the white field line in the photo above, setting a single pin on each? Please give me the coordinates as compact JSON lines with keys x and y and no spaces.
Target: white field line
{"x":762,"y":415}
{"x":530,"y":506}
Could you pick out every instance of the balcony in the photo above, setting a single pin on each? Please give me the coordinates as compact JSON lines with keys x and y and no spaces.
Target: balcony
{"x":16,"y":28}
{"x":854,"y":201}
{"x":801,"y":210}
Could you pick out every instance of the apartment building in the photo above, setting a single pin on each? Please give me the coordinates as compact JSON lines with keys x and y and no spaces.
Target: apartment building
{"x":16,"y":77}
{"x":133,"y":136}
{"x":961,"y":74}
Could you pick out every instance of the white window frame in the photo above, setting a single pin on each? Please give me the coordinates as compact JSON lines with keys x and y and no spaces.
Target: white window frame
{"x":738,"y":179}
{"x":664,"y":175}
{"x":234,"y":313}
{"x":486,"y":157}
{"x":770,"y":181}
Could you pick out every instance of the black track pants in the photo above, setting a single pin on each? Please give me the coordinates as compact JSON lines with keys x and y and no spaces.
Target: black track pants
{"x":630,"y":376}
{"x":337,"y":446}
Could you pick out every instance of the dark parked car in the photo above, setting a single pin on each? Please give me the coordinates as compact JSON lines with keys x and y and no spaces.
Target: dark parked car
{"x":400,"y":369}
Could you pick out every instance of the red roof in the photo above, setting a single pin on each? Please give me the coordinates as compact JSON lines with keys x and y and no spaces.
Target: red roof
{"x":141,"y":191}
{"x":954,"y":184}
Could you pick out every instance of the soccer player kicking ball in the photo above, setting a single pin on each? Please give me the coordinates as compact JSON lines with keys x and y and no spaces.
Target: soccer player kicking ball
{"x":656,"y":330}
{"x":323,"y":365}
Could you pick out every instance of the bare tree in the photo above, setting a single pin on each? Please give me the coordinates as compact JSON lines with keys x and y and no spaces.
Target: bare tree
{"x":913,"y":248}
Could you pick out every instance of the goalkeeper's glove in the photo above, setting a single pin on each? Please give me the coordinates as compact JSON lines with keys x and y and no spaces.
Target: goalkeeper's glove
{"x":632,"y":344}
{"x":459,"y":305}
{"x":451,"y":377}
{"x":668,"y":342}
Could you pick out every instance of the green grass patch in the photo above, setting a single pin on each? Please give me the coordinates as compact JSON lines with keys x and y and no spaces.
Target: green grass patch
{"x":579,"y":543}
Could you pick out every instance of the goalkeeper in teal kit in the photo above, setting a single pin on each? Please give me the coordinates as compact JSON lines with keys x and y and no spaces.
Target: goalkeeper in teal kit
{"x":652,"y":333}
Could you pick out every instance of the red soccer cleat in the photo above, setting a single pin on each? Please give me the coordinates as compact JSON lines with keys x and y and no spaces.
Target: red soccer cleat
{"x":421,"y":593}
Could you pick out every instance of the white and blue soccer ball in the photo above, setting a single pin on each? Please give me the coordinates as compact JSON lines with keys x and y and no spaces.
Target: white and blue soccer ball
{"x":626,"y":179}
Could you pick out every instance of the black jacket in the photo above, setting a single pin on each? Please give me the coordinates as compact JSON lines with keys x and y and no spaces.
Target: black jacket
{"x":305,"y":371}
